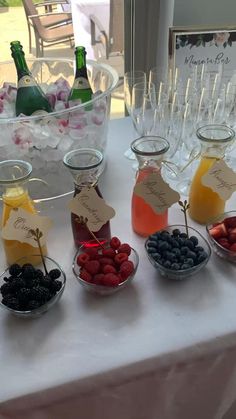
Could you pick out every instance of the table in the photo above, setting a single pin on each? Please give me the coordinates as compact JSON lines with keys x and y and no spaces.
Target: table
{"x":156,"y":350}
{"x":81,"y":11}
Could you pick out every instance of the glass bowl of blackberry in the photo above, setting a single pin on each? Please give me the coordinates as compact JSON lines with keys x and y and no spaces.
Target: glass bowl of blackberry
{"x":222,"y":235}
{"x":105,"y":269}
{"x":28,"y":290}
{"x":176,"y":253}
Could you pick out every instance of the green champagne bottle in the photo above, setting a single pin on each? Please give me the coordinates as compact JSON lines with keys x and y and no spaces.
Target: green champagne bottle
{"x":30,"y":99}
{"x":81,"y":88}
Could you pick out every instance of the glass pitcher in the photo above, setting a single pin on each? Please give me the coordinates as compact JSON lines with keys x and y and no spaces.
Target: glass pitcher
{"x":205,"y":204}
{"x":149,"y":152}
{"x":14,"y":175}
{"x":86,"y":166}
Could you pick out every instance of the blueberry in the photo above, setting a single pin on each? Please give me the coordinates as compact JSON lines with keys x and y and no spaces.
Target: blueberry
{"x":189,"y":244}
{"x":191,"y":255}
{"x":189,"y":261}
{"x":156,"y":256}
{"x":181,"y":241}
{"x":175,"y":243}
{"x":182,"y":259}
{"x":184,"y":250}
{"x":152,"y":250}
{"x":194,"y":239}
{"x":151,"y":243}
{"x":167,"y":264}
{"x":163,"y":246}
{"x":176,"y":252}
{"x":202,"y":256}
{"x":176,"y":232}
{"x":183,"y":235}
{"x":168,"y":255}
{"x":175,"y":266}
{"x":199,"y":249}
{"x":185,"y":266}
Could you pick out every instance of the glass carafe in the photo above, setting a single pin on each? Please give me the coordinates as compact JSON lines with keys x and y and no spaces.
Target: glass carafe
{"x":14,"y":175}
{"x":149,"y":152}
{"x":85,"y":165}
{"x":205,"y":204}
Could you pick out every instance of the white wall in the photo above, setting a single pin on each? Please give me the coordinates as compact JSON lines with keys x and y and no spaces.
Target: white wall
{"x":204,"y":12}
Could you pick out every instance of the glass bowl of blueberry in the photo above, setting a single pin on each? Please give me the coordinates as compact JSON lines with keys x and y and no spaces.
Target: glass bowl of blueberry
{"x":176,"y":254}
{"x":105,"y":269}
{"x":27,"y":290}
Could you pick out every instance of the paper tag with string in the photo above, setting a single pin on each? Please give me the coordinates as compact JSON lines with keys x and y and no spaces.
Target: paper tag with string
{"x":90,"y":206}
{"x":156,"y":193}
{"x":221,"y":179}
{"x":20,"y":223}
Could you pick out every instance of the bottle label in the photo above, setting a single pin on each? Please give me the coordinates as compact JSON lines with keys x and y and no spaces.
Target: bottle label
{"x":221,"y":179}
{"x":81,"y":83}
{"x":26,"y":81}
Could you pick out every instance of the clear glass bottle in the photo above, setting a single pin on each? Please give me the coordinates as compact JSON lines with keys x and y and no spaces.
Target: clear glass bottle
{"x":30,"y":99}
{"x":205,"y":204}
{"x":81,"y":88}
{"x":86,"y":166}
{"x":149,"y":152}
{"x":14,"y":175}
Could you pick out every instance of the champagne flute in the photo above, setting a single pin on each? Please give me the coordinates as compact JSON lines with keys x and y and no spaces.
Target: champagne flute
{"x":131,"y":78}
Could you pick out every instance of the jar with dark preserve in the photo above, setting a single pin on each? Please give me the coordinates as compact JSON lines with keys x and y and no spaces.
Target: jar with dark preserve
{"x":85,"y":166}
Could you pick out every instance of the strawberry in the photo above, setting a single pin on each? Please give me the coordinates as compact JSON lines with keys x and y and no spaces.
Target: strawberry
{"x":230,"y":222}
{"x":232,"y":236}
{"x":218,"y":231}
{"x":223,"y":241}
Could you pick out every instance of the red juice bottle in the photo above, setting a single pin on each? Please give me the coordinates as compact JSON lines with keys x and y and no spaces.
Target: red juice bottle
{"x":85,"y":165}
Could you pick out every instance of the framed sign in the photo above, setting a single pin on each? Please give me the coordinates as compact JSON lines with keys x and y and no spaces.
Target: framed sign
{"x":197,"y":46}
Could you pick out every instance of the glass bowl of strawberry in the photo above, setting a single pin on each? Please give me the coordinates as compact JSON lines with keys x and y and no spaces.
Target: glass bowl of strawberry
{"x":222,"y":235}
{"x":105,"y":267}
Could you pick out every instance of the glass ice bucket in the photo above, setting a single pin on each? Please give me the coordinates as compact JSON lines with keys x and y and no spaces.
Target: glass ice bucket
{"x":44,"y":140}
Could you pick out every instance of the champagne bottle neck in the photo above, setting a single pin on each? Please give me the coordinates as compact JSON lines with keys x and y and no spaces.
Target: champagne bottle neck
{"x":80,"y":62}
{"x":20,"y":63}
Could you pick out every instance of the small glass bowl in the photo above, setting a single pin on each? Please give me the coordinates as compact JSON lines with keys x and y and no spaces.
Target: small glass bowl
{"x":50,"y":264}
{"x":219,"y":250}
{"x":102,"y":289}
{"x":181,"y":273}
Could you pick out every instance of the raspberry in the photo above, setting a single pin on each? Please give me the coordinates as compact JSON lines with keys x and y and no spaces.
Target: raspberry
{"x":92,"y":252}
{"x":124,"y":248}
{"x":126,"y":269}
{"x":92,"y":266}
{"x":85,"y":275}
{"x":109,"y":252}
{"x":111,"y":280}
{"x":115,"y":243}
{"x":120,"y":258}
{"x":109,"y":269}
{"x":106,"y":261}
{"x":82,"y":259}
{"x":98,"y":279}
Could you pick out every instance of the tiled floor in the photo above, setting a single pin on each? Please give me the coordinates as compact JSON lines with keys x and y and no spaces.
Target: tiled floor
{"x":14,"y":27}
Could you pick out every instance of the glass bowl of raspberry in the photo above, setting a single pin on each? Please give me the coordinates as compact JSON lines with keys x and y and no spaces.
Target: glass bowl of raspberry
{"x":176,"y":253}
{"x":107,"y":268}
{"x":222,"y":235}
{"x":26,"y":290}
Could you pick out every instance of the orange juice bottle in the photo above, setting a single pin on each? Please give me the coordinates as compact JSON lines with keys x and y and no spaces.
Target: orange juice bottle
{"x":149,"y":152}
{"x":205,"y":204}
{"x":13,"y":174}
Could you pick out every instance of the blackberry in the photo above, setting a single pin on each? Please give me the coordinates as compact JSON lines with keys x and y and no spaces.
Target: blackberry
{"x":15,"y":269}
{"x":56,"y":285}
{"x":42,"y":294}
{"x":39,"y":274}
{"x":11,"y":302}
{"x":33,"y":304}
{"x":28,"y":271}
{"x":24,"y":295}
{"x":55,"y":273}
{"x":17,"y":284}
{"x":5,"y":289}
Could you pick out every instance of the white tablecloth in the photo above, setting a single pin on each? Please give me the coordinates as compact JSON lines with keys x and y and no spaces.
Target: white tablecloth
{"x":156,"y":350}
{"x":81,"y":10}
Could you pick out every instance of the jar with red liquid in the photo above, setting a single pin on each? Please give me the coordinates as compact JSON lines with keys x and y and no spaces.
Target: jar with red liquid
{"x":86,"y":166}
{"x":149,"y":151}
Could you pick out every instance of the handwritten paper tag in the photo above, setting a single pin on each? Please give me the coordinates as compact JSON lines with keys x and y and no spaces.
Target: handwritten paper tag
{"x":156,"y":193}
{"x":221,"y":179}
{"x":89,"y":205}
{"x":20,"y":222}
